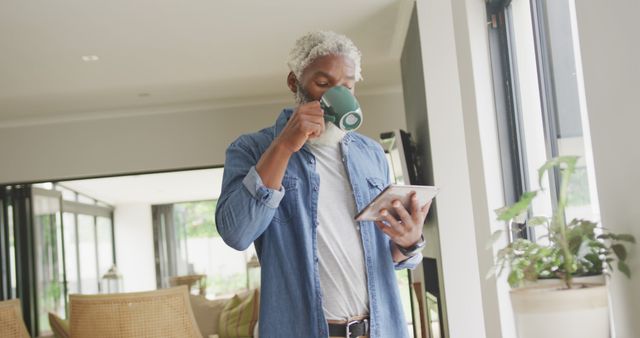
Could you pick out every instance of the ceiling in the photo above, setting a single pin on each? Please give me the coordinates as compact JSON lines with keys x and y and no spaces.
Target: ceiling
{"x":153,"y":53}
{"x":171,"y":187}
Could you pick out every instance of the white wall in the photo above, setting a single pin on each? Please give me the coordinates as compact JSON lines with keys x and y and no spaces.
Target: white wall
{"x":156,"y":141}
{"x":134,"y":246}
{"x":483,"y":155}
{"x":610,"y":50}
{"x":465,"y":160}
{"x":413,"y":87}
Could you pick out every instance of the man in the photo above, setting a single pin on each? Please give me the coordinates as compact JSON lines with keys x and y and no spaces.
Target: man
{"x":293,"y":190}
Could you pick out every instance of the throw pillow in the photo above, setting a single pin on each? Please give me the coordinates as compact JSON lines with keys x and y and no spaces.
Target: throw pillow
{"x":59,"y":326}
{"x":240,"y":315}
{"x":207,"y":313}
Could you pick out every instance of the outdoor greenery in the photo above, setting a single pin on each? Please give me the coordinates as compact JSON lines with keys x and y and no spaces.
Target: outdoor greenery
{"x":575,"y":248}
{"x":226,"y":284}
{"x":578,"y":193}
{"x":198,"y":218}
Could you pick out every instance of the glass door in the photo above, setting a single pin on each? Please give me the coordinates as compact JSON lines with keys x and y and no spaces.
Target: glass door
{"x":89,"y":271}
{"x":49,"y":255}
{"x":165,"y":244}
{"x":16,"y":250}
{"x":35,"y":225}
{"x":188,"y":247}
{"x":89,"y":243}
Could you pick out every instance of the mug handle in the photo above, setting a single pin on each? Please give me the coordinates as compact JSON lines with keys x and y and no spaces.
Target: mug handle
{"x":329,"y":118}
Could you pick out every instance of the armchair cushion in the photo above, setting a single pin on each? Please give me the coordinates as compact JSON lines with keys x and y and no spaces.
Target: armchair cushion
{"x":59,"y":326}
{"x":240,"y":315}
{"x":207,"y":313}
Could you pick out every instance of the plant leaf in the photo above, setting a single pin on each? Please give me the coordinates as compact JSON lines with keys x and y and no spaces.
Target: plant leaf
{"x":626,"y":238}
{"x":513,"y":279}
{"x":519,"y":207}
{"x":522,"y":217}
{"x":624,"y":268}
{"x":597,"y":244}
{"x":587,"y":227}
{"x":495,"y":236}
{"x":499,"y":211}
{"x":570,"y":161}
{"x":574,"y":244}
{"x":538,"y":220}
{"x":620,"y":251}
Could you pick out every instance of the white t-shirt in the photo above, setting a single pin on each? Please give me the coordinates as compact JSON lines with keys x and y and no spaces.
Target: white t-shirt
{"x":343,"y":277}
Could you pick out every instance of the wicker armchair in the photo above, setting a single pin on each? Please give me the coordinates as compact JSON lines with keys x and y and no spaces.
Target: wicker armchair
{"x":160,"y":313}
{"x":11,"y":323}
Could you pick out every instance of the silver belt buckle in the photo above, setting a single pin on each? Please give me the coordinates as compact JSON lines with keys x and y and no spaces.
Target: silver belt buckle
{"x":353,"y":322}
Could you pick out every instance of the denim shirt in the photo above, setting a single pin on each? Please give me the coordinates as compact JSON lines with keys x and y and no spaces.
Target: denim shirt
{"x":282,"y":225}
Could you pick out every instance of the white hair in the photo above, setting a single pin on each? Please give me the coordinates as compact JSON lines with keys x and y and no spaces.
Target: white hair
{"x":313,"y":45}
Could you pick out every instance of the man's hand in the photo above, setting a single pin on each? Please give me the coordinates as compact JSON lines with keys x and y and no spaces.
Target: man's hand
{"x":305,"y":123}
{"x":408,"y":230}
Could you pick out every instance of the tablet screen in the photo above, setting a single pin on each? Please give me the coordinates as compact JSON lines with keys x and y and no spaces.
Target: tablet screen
{"x":396,"y":192}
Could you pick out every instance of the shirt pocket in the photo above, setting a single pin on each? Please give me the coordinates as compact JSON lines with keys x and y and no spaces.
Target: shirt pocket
{"x":376,"y":185}
{"x":288,"y":207}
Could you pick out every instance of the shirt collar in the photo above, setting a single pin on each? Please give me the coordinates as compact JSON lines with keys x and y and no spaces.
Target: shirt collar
{"x":282,"y":120}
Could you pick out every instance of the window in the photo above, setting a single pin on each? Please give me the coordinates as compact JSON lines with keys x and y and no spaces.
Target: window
{"x":48,"y":244}
{"x":88,"y":238}
{"x":539,"y":99}
{"x":561,"y":88}
{"x":188,"y":243}
{"x":104,"y":242}
{"x":71,"y":252}
{"x":51,"y":247}
{"x":87,"y":255}
{"x":539,"y":102}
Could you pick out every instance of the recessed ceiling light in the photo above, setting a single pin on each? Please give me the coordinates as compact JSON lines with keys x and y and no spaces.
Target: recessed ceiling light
{"x":90,"y":58}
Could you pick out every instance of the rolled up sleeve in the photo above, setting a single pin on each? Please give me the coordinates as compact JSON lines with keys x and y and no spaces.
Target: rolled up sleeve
{"x":245,"y":207}
{"x":269,"y":197}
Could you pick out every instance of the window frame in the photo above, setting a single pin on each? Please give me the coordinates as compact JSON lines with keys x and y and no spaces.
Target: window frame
{"x":520,"y":50}
{"x":20,"y":198}
{"x":547,"y":92}
{"x":508,"y":107}
{"x":95,"y":210}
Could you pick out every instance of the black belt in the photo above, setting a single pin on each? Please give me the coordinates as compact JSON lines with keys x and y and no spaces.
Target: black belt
{"x":352,"y":329}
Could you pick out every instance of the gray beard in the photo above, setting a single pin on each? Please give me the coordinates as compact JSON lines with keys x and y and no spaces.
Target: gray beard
{"x":301,"y":95}
{"x":331,"y":137}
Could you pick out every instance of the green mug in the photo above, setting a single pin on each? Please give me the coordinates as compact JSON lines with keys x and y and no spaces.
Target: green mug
{"x":341,"y":108}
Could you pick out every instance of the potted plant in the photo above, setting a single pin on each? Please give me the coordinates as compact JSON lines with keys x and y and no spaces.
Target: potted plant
{"x":549,"y":296}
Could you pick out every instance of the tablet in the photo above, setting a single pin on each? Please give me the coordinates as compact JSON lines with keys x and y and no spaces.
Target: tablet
{"x":396,"y":192}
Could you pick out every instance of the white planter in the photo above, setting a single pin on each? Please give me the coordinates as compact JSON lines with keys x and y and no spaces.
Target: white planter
{"x":596,"y":280}
{"x":551,"y":312}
